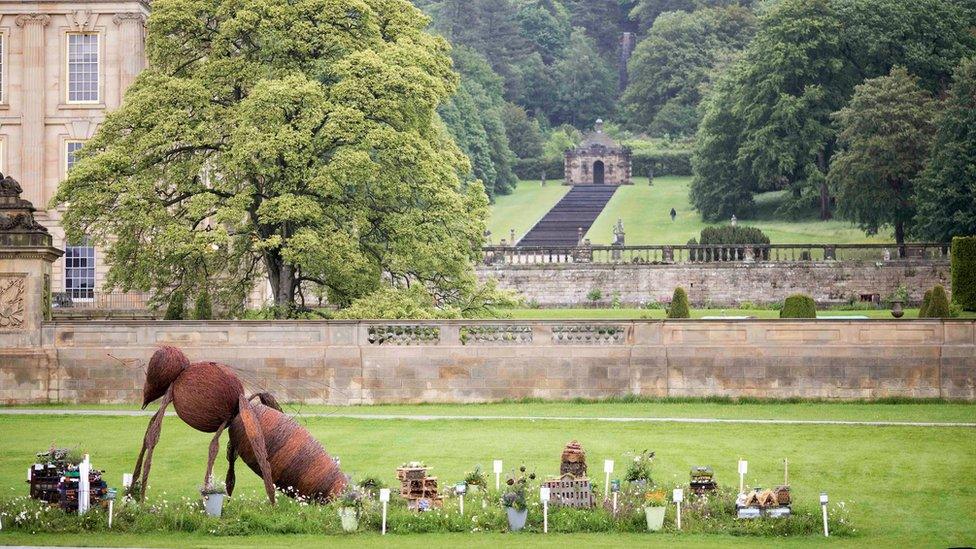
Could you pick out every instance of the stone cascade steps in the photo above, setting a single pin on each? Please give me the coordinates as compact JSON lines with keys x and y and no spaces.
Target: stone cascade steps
{"x":578,"y":209}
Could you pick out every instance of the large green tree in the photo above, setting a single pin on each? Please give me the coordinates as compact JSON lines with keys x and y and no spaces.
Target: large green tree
{"x":885,"y":135}
{"x":946,"y":192}
{"x":802,"y":66}
{"x":585,"y":84}
{"x":671,"y":65}
{"x":295,"y":140}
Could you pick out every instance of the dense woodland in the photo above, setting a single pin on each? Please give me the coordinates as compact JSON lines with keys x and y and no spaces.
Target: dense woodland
{"x":838,"y":102}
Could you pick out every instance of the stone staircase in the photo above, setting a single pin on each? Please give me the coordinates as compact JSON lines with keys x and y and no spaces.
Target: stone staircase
{"x":577,"y":210}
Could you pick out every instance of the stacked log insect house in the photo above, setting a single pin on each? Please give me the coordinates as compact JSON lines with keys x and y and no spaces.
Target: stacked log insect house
{"x":418,"y":488}
{"x":56,"y":476}
{"x":572,"y":488}
{"x":763,"y":502}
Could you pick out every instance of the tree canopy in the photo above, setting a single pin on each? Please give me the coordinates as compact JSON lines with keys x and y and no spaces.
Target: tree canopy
{"x":946,"y":192}
{"x":295,"y":140}
{"x":885,"y":135}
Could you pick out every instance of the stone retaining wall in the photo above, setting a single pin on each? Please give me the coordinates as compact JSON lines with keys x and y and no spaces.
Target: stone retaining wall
{"x":720,"y":284}
{"x":360,"y":362}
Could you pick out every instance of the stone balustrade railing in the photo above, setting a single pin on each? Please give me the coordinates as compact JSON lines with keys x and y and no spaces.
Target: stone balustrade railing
{"x":743,"y":253}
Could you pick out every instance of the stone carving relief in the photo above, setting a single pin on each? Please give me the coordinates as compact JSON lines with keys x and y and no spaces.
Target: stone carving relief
{"x":403,"y":334}
{"x":82,"y":20}
{"x":12,"y":290}
{"x":33,"y":18}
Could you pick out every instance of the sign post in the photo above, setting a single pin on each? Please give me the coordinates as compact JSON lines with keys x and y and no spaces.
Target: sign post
{"x":823,"y":505}
{"x":385,"y":499}
{"x":84,"y":485}
{"x":607,"y":469}
{"x":544,"y":496}
{"x":461,"y":488}
{"x":498,"y":473}
{"x":743,"y":469}
{"x":678,"y":496}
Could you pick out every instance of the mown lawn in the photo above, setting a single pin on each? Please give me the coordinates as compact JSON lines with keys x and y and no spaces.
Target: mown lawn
{"x":645,"y":212}
{"x":904,"y":486}
{"x":658,"y":314}
{"x":523,"y":208}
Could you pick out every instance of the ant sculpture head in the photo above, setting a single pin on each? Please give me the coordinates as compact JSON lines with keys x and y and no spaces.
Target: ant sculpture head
{"x":165,"y":366}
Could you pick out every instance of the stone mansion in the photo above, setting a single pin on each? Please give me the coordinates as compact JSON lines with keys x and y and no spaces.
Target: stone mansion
{"x":63,"y":66}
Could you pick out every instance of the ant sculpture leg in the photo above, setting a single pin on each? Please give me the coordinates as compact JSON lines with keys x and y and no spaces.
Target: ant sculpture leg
{"x":214,"y":447}
{"x":149,"y":444}
{"x":255,"y":436}
{"x":231,"y":479}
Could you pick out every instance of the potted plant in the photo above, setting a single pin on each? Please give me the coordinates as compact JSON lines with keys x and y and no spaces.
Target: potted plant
{"x":655,"y":503}
{"x":371,"y":486}
{"x":476,"y":480}
{"x":516,"y":488}
{"x":214,"y":493}
{"x":350,"y":507}
{"x":639,"y":470}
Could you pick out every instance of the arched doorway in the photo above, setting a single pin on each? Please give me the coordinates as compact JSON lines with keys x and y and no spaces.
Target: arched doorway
{"x":598,"y":178}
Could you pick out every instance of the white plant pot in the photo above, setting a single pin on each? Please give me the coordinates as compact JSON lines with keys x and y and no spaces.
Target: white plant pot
{"x":349,"y":518}
{"x":655,"y":518}
{"x":214,"y":504}
{"x":516,"y":518}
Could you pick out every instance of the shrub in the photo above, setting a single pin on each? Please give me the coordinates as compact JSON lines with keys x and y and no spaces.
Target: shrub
{"x":203,"y":308}
{"x":176,"y":308}
{"x":727,"y":235}
{"x":679,"y":304}
{"x":594,"y":295}
{"x":964,"y":272}
{"x":923,"y":311}
{"x":939,"y":306}
{"x":799,"y":306}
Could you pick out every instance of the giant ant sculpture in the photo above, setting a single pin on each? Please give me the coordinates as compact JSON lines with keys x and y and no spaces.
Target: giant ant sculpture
{"x":210,"y":397}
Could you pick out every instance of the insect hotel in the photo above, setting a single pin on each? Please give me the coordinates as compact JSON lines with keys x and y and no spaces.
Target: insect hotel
{"x":702,"y":480}
{"x":768,"y":503}
{"x":572,"y":488}
{"x":419,"y":489}
{"x":56,"y":478}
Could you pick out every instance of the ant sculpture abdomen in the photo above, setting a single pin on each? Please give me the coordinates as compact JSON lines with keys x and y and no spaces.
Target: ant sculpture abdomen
{"x":210,"y":397}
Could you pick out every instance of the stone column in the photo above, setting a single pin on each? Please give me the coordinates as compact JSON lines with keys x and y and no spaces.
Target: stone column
{"x":133,"y":51}
{"x":32,"y":125}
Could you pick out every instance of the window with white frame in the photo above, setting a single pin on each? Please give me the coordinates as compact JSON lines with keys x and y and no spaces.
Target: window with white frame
{"x":79,"y":271}
{"x":83,"y":67}
{"x":71,"y":149}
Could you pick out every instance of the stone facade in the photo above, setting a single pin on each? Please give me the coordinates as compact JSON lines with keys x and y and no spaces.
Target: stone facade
{"x":598,"y":160}
{"x":41,"y":120}
{"x":721,"y":284}
{"x":361,"y":362}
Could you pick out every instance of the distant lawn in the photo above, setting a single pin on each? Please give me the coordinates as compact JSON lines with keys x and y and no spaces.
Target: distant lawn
{"x":523,"y":208}
{"x":636,"y":314}
{"x":645,"y":212}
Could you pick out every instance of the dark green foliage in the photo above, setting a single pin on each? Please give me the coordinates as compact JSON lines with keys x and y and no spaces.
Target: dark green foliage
{"x":177,"y":306}
{"x":474,"y":117}
{"x":585,"y":84}
{"x":946,"y":192}
{"x":799,"y":306}
{"x":923,"y":310}
{"x":885,"y":137}
{"x":939,"y":305}
{"x":524,"y":135}
{"x":679,"y":304}
{"x":729,"y":234}
{"x":769,"y":125}
{"x":964,"y":272}
{"x":203,"y":308}
{"x":670,"y":66}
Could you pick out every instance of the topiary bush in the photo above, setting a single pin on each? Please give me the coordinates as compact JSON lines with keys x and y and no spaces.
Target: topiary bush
{"x":679,"y":304}
{"x":727,"y":235}
{"x":964,"y":272}
{"x":939,"y":305}
{"x":799,"y":306}
{"x":177,"y":307}
{"x":923,"y":311}
{"x":203,"y":308}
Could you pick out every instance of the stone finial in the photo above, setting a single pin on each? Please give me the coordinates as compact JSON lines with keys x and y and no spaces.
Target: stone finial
{"x":17,"y":224}
{"x":598,"y":127}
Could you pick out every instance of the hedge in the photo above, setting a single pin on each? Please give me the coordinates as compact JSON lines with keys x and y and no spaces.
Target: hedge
{"x":203,"y":310}
{"x":676,"y":162}
{"x":923,"y":311}
{"x":679,"y":304}
{"x":799,"y":306}
{"x":177,"y":307}
{"x":726,"y":235}
{"x":964,"y":272}
{"x":939,"y":306}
